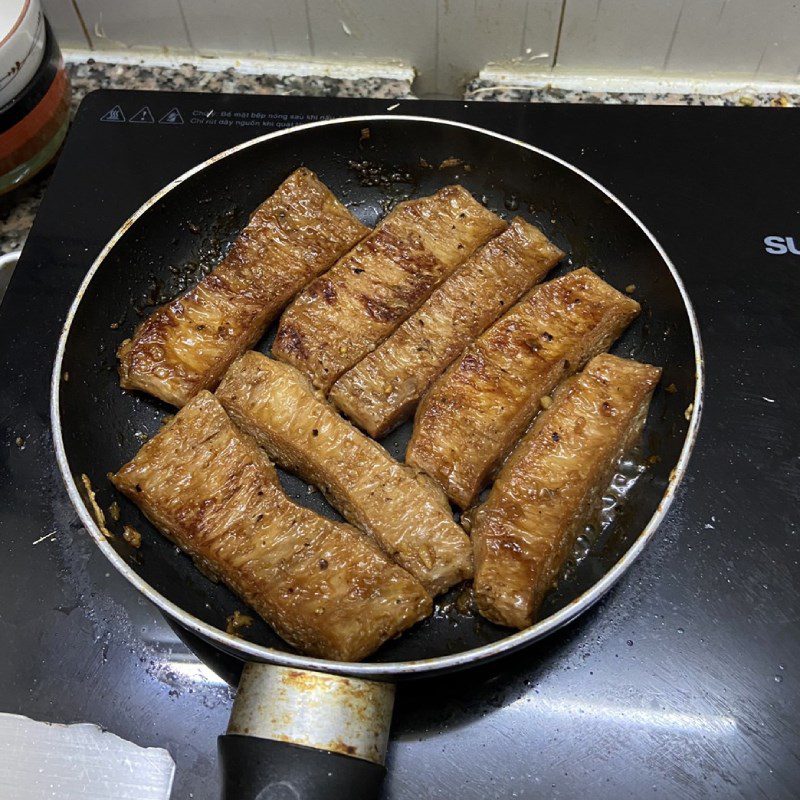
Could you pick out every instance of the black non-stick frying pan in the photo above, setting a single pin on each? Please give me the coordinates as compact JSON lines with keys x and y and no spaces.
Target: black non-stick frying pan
{"x":335,"y":716}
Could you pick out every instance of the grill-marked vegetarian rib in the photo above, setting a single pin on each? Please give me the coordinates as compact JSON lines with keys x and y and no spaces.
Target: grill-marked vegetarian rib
{"x":187,"y":344}
{"x":323,"y":586}
{"x":545,"y":493}
{"x":383,"y":389}
{"x":404,"y":511}
{"x":343,"y":315}
{"x":474,"y":414}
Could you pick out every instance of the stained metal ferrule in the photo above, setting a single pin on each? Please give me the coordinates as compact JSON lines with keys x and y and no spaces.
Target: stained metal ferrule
{"x":327,"y":712}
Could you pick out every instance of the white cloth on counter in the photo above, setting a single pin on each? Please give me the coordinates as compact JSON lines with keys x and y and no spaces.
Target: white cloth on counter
{"x":44,"y":761}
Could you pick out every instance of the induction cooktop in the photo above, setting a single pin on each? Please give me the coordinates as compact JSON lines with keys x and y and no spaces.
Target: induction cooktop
{"x":683,"y":682}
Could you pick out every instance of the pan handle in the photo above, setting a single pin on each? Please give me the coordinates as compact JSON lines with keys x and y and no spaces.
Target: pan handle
{"x":301,"y":735}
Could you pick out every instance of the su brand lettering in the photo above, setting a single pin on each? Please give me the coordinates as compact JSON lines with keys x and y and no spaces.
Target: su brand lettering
{"x":781,"y":245}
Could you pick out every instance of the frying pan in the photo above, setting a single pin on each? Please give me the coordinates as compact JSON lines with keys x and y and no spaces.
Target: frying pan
{"x":307,"y":726}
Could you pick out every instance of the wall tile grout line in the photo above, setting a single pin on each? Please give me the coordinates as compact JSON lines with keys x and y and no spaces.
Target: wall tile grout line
{"x":437,"y":50}
{"x":186,"y":26}
{"x":82,"y":24}
{"x":559,"y":32}
{"x":674,"y":36}
{"x":310,"y":33}
{"x":524,"y":29}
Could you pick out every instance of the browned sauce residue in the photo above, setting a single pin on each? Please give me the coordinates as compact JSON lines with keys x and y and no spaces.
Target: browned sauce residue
{"x":132,"y":536}
{"x":237,"y":622}
{"x":99,"y":516}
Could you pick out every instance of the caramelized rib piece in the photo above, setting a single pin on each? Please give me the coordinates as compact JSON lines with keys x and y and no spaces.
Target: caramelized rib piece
{"x":474,"y":414}
{"x":322,"y":585}
{"x":406,"y":512}
{"x":383,"y":389}
{"x":187,"y":344}
{"x":544,"y":494}
{"x":345,"y":314}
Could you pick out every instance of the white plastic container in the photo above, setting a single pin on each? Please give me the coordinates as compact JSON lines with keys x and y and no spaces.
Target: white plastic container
{"x":34,"y":93}
{"x":22,"y":40}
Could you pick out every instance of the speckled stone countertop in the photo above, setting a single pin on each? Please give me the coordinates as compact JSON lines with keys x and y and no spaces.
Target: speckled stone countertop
{"x":18,"y":208}
{"x":482,"y":90}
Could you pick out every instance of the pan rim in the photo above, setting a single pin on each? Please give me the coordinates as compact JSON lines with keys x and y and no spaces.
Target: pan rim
{"x":376,"y":670}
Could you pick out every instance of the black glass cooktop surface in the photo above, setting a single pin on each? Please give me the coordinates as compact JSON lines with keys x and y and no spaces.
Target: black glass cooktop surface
{"x":681,"y":683}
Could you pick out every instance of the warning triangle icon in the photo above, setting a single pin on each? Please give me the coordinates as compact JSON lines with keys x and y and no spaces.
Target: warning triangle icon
{"x":172,"y":117}
{"x":143,"y":115}
{"x":114,"y":115}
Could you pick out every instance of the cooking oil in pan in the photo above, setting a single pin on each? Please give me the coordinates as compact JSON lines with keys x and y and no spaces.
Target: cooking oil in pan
{"x":458,"y":603}
{"x":611,"y":504}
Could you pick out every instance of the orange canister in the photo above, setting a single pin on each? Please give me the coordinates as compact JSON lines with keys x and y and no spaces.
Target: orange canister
{"x":34,"y":93}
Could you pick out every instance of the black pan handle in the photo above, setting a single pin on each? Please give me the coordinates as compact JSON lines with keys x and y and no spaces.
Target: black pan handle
{"x":264,"y":769}
{"x":301,"y":735}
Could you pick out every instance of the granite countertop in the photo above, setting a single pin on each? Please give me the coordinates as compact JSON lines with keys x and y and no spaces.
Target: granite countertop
{"x":18,"y":208}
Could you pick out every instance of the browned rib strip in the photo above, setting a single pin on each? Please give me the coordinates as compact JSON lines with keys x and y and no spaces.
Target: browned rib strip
{"x":346,"y":313}
{"x":322,"y":585}
{"x":187,"y":344}
{"x":544,"y":494}
{"x":474,"y":414}
{"x":383,"y":389}
{"x":406,"y":512}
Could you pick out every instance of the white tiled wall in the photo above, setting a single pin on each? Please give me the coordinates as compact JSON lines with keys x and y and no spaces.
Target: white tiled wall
{"x":449,"y":41}
{"x":249,"y":26}
{"x":65,"y":22}
{"x":756,"y":38}
{"x":396,"y":31}
{"x":115,"y":24}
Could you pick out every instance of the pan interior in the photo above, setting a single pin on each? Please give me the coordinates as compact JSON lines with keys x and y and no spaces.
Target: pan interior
{"x":370,"y":168}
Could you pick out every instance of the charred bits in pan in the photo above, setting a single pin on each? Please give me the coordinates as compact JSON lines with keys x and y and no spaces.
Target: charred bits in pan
{"x":376,"y":173}
{"x":213,"y":248}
